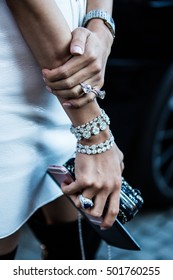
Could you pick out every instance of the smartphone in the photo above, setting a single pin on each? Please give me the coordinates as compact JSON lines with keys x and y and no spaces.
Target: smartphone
{"x":117,"y":235}
{"x":60,"y":174}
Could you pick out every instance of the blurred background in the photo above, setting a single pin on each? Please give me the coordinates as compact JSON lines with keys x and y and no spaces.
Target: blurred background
{"x":139,"y":101}
{"x":139,"y":85}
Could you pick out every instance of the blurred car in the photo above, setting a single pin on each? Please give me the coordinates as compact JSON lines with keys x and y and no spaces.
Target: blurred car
{"x":139,"y":100}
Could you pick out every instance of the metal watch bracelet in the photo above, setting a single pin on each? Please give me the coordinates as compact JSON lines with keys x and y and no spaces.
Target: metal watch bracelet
{"x":108,"y":20}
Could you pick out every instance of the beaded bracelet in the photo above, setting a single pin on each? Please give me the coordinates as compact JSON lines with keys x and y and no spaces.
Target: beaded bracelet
{"x":93,"y":127}
{"x":96,"y":149}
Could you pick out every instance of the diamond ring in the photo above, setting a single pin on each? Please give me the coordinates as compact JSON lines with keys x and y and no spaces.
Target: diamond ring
{"x":99,"y":93}
{"x":85,"y":202}
{"x":88,"y":89}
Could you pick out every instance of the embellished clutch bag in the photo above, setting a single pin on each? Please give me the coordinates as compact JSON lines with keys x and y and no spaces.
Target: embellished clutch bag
{"x":131,"y":202}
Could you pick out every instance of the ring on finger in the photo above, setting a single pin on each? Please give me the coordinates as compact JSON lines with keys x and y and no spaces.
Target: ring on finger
{"x":99,"y":93}
{"x":85,"y":202}
{"x":87,"y":88}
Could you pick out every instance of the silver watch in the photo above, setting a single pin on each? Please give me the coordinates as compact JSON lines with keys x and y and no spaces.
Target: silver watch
{"x":108,"y":20}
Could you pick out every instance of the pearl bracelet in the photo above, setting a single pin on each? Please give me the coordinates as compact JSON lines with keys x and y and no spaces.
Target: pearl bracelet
{"x":96,"y":149}
{"x":93,"y":127}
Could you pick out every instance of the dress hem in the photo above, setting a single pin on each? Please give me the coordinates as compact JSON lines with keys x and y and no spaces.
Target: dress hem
{"x":31,"y":213}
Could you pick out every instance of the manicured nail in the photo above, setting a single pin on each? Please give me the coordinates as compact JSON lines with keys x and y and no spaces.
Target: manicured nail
{"x":49,"y":89}
{"x":103,"y":228}
{"x":66,"y":104}
{"x":44,"y":79}
{"x":77,"y":50}
{"x":44,"y":71}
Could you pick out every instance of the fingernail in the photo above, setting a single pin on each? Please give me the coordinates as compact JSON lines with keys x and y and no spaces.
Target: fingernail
{"x":66,"y":104}
{"x":77,"y":50}
{"x":103,"y":228}
{"x":49,"y":89}
{"x":44,"y":79}
{"x":44,"y":71}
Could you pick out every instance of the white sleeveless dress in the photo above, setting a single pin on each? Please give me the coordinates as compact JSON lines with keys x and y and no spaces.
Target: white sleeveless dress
{"x":34,"y":129}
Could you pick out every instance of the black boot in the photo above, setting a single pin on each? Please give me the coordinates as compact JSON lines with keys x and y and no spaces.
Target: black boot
{"x":61,"y":241}
{"x":9,"y":256}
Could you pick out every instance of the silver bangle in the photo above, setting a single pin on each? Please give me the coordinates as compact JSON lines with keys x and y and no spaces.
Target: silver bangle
{"x":94,"y":127}
{"x":96,"y":149}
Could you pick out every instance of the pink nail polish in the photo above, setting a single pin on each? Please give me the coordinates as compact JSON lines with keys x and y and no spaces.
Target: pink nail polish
{"x":103,"y":228}
{"x":49,"y":89}
{"x":77,"y":50}
{"x":44,"y":79}
{"x":67,"y":105}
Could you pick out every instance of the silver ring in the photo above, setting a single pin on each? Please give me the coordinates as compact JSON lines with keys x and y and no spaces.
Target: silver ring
{"x":99,"y":93}
{"x":85,"y":202}
{"x":88,"y":89}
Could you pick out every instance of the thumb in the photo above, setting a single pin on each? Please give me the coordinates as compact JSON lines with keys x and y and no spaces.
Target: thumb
{"x":79,"y":39}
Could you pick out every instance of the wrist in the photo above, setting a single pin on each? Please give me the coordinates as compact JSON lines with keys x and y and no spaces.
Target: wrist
{"x":101,"y":16}
{"x":97,"y":26}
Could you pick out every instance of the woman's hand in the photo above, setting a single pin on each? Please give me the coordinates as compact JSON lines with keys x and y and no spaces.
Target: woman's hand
{"x":87,"y":65}
{"x":98,"y":177}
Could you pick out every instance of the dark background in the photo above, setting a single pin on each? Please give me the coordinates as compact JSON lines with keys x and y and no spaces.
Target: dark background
{"x":138,"y":83}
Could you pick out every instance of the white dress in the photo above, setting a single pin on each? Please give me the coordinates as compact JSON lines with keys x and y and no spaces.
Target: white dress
{"x":34,"y":129}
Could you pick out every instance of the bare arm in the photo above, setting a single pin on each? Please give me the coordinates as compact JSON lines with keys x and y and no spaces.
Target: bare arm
{"x":38,"y":24}
{"x":95,"y":43}
{"x":98,"y":175}
{"x":42,"y":27}
{"x":100,"y":4}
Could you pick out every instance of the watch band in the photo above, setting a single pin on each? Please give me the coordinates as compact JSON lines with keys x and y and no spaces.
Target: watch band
{"x":108,"y":20}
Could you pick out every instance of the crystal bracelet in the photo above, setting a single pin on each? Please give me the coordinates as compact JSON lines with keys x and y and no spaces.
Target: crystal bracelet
{"x":97,"y":148}
{"x":93,"y":127}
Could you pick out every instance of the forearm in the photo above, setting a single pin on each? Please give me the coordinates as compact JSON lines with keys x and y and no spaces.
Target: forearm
{"x":101,"y":5}
{"x":48,"y":36}
{"x":41,"y":26}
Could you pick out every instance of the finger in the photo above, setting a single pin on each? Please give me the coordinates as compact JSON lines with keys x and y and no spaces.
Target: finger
{"x":66,"y":70}
{"x":89,"y":192}
{"x":85,"y":75}
{"x":80,"y":102}
{"x":71,"y":189}
{"x":74,"y":97}
{"x":50,"y":75}
{"x":112,"y":210}
{"x":73,"y":197}
{"x":75,"y":200}
{"x":68,"y":94}
{"x":99,"y":205}
{"x":79,"y":38}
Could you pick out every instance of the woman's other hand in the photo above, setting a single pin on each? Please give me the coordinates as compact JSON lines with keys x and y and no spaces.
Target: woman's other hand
{"x":87,"y":65}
